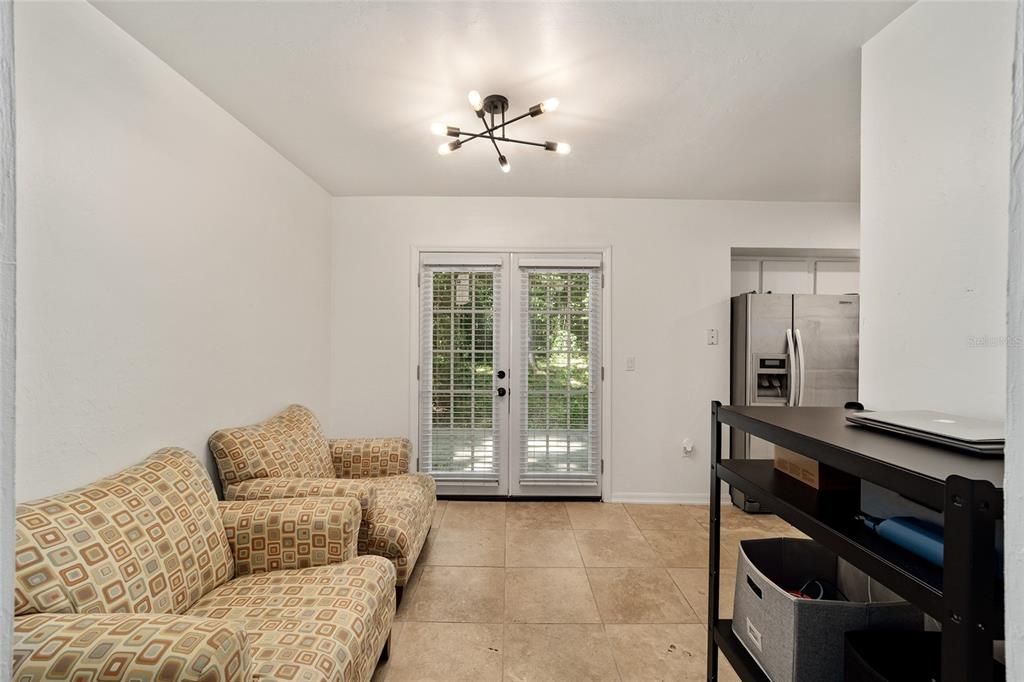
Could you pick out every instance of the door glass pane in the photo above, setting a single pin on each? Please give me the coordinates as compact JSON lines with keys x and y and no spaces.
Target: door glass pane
{"x":560,"y":375}
{"x":458,"y":434}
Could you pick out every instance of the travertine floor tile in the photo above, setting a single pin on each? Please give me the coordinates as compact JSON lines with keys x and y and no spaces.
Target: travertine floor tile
{"x":458,"y":595}
{"x":474,"y":515}
{"x":438,"y":513}
{"x":598,"y":516}
{"x":659,"y":652}
{"x":539,"y":515}
{"x":638,"y":595}
{"x":549,"y":595}
{"x":519,"y":590}
{"x":558,"y":653}
{"x":615,"y":549}
{"x":679,"y":548}
{"x":463,"y":547}
{"x":662,"y":517}
{"x":424,"y":652}
{"x":539,"y":548}
{"x":693,"y":583}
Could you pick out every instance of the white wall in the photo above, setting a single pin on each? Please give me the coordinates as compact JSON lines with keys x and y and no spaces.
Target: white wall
{"x":935,"y":114}
{"x":670,"y":282}
{"x":173,"y":268}
{"x":1014,"y":485}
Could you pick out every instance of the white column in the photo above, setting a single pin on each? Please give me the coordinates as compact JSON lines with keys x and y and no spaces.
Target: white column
{"x":1014,"y":486}
{"x":7,"y":287}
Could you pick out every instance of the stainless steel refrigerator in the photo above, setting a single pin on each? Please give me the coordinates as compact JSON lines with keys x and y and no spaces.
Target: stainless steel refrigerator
{"x":790,"y":350}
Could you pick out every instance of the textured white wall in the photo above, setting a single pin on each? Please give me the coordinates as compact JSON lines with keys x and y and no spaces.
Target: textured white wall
{"x":1014,"y":485}
{"x":670,"y":282}
{"x":7,"y":345}
{"x":935,"y":112}
{"x":174,"y":269}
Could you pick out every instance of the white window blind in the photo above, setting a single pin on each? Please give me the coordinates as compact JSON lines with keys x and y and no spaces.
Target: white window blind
{"x":560,"y":375}
{"x":460,"y":348}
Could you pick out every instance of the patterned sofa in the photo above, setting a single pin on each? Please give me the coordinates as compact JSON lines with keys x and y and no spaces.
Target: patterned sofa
{"x":146,"y":576}
{"x":287,"y":456}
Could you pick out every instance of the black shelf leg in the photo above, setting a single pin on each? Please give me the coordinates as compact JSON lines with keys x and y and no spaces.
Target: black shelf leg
{"x":714,"y":530}
{"x":969,"y":579}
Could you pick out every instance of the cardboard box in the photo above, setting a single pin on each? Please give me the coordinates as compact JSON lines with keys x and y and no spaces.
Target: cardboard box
{"x":811,"y":472}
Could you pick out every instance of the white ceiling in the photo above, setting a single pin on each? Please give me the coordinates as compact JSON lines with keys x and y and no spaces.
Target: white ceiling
{"x":721,"y":100}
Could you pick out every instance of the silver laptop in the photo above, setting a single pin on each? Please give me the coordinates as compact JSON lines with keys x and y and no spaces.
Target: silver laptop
{"x":983,"y":436}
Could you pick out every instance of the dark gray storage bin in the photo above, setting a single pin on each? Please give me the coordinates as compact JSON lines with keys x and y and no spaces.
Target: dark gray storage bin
{"x":801,"y":640}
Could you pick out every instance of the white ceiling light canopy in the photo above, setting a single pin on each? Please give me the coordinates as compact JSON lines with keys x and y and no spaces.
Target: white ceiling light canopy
{"x":495,"y":106}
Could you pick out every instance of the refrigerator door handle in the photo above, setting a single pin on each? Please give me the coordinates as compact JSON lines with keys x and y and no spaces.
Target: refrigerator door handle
{"x":791,"y":353}
{"x":800,"y":361}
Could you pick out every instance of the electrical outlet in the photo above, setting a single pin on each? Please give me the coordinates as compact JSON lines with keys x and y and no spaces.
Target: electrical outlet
{"x":687,"y":447}
{"x":712,"y":337}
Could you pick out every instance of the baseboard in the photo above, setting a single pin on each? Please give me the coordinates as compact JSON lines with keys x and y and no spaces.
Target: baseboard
{"x":661,"y":498}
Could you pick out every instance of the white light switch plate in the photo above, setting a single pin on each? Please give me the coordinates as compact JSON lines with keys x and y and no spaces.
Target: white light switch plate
{"x":631,"y":364}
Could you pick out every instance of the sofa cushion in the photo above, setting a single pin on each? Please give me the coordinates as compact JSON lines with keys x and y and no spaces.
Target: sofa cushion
{"x":288,"y":445}
{"x":326,"y":623}
{"x":148,"y":539}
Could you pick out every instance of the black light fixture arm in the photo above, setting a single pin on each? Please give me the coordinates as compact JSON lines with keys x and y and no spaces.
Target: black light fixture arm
{"x":471,"y":136}
{"x":455,"y":132}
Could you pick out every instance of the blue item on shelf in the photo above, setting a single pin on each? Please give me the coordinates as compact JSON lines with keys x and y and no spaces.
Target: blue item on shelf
{"x":921,"y":538}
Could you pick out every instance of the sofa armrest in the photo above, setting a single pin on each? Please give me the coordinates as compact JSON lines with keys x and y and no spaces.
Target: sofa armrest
{"x":270,"y":535}
{"x":129,"y":646}
{"x":370,"y":457}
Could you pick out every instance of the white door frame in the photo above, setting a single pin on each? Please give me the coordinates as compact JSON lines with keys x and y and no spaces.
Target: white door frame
{"x":415,"y":255}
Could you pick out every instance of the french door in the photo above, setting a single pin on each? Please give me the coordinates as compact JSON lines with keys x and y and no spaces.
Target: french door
{"x":510,"y":373}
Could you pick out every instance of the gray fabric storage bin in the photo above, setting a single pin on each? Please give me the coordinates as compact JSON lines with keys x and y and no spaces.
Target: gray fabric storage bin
{"x":802,"y":640}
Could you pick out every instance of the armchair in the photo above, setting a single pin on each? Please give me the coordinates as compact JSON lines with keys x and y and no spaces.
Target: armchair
{"x":288,"y":456}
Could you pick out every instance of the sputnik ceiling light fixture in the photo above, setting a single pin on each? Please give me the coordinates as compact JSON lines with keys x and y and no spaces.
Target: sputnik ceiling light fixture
{"x":496,"y":106}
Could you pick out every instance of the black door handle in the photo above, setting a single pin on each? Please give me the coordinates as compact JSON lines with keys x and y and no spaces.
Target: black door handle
{"x":501,"y":374}
{"x":501,"y":392}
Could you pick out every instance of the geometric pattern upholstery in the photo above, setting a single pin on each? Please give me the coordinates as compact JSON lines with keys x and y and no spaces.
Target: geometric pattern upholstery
{"x":130,"y":578}
{"x":398,"y":507}
{"x":286,"y":488}
{"x":354,"y":605}
{"x":282,"y":534}
{"x":370,"y":457}
{"x":118,"y":646}
{"x":288,"y":445}
{"x":400,"y":520}
{"x":148,"y":539}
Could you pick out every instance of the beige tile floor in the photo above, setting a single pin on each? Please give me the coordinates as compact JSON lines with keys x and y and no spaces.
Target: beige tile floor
{"x":565,"y":591}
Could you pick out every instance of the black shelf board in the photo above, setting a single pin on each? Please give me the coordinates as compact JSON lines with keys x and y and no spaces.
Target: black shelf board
{"x":914,"y":469}
{"x":914,"y":579}
{"x":737,"y":655}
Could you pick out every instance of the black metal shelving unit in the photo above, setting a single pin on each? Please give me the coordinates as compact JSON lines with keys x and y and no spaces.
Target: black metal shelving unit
{"x":965,"y":595}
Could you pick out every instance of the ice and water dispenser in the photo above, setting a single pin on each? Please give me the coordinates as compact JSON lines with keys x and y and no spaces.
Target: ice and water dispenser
{"x":771,"y":378}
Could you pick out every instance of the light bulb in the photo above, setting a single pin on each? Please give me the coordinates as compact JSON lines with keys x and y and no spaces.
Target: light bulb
{"x":446,"y":148}
{"x":503,"y":162}
{"x":558,"y":147}
{"x":438,"y":128}
{"x":549,"y":105}
{"x":475,"y":100}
